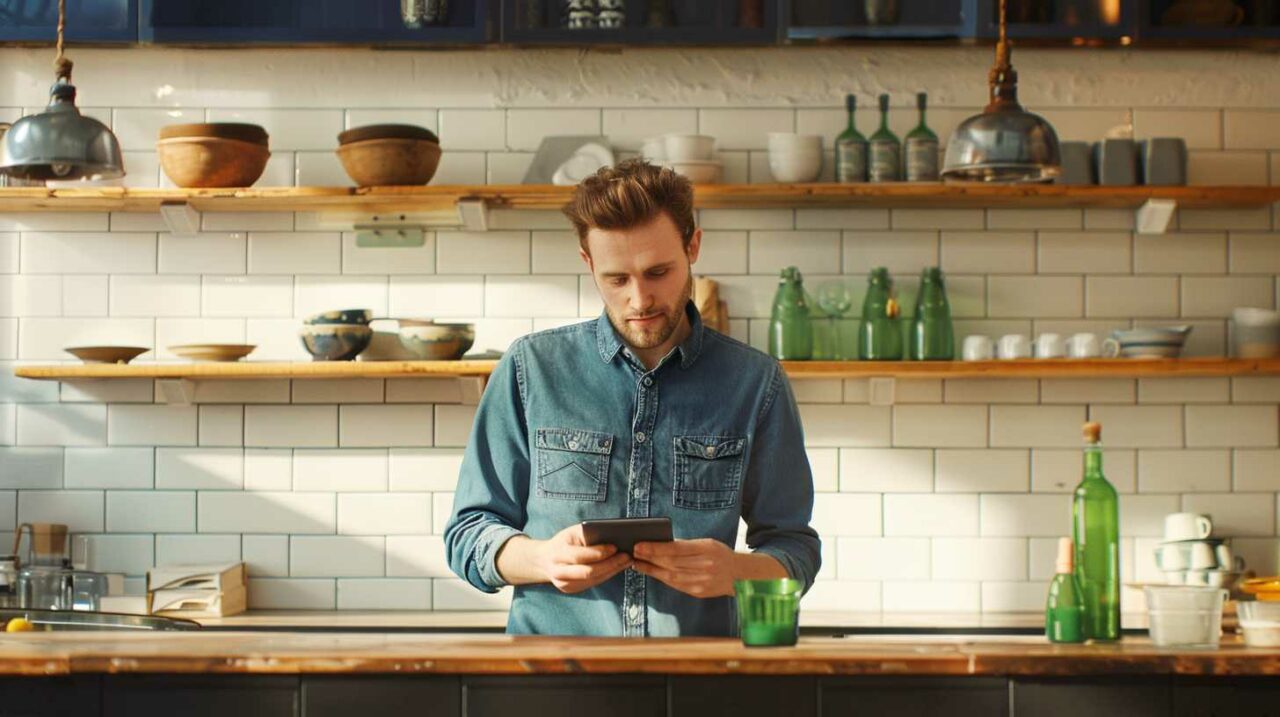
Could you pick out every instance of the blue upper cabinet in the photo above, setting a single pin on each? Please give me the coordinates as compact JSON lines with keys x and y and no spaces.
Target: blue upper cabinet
{"x":300,"y":22}
{"x":1066,"y":20}
{"x":87,"y":20}
{"x":640,"y":22}
{"x":879,"y":19}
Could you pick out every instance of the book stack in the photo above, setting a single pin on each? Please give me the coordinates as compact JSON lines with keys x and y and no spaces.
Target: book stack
{"x":194,"y":591}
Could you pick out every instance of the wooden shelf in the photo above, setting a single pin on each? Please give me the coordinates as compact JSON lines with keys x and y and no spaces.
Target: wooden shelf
{"x":1030,"y":368}
{"x":444,"y":197}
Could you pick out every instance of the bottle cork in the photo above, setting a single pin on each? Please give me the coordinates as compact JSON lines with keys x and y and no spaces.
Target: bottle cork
{"x":1093,"y":432}
{"x":1066,"y":557}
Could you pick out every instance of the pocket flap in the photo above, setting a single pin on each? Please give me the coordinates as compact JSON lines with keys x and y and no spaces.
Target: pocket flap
{"x":709,"y":447}
{"x":568,"y":439}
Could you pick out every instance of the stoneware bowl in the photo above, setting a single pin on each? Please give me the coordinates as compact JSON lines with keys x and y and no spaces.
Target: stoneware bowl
{"x":438,"y":342}
{"x":106,"y":354}
{"x":1150,"y":342}
{"x":335,"y":342}
{"x":386,"y":131}
{"x":340,"y":316}
{"x":686,"y":147}
{"x":224,"y":130}
{"x":698,"y":172}
{"x":390,"y":162}
{"x":799,"y":166}
{"x":192,"y":162}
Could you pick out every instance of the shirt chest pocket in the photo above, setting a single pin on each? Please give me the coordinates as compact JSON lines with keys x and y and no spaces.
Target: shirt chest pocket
{"x":572,"y":464}
{"x":708,"y":471}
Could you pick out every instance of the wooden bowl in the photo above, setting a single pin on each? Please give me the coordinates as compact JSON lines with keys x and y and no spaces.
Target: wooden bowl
{"x":212,"y":161}
{"x":387,"y":131}
{"x":224,"y":130}
{"x":390,"y":162}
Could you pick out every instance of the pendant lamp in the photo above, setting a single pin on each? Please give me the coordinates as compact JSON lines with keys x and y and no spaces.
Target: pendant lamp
{"x":60,"y":143}
{"x":1005,"y":143}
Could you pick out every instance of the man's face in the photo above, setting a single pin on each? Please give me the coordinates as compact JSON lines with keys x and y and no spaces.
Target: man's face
{"x":644,"y":276}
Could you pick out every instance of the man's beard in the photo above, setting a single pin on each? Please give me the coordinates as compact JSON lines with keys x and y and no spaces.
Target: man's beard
{"x":638,"y":337}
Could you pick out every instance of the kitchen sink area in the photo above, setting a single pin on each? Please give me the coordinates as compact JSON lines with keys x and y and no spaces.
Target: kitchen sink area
{"x":73,"y":620}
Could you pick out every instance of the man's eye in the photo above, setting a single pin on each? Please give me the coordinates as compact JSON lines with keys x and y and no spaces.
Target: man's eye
{"x":658,"y":272}
{"x":618,"y":281}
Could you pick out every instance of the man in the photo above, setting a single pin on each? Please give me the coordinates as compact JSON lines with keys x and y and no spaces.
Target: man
{"x":642,"y":412}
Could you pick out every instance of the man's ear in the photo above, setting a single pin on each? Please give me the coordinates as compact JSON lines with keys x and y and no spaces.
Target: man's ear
{"x":695,"y":246}
{"x":586,"y":259}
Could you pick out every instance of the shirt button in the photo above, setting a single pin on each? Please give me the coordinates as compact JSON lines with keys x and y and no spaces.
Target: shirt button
{"x":640,"y":436}
{"x":648,"y":381}
{"x":634,"y":612}
{"x":573,"y":445}
{"x":711,"y":451}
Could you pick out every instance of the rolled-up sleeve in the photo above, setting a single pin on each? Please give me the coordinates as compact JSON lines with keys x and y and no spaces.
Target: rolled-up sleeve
{"x":489,"y":502}
{"x":778,"y":500}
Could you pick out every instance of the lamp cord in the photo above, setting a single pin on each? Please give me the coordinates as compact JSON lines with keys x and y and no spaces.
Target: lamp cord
{"x":61,"y":65}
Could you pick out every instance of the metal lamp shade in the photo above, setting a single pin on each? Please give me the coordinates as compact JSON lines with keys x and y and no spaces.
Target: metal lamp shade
{"x":1003,"y":145}
{"x":60,"y":143}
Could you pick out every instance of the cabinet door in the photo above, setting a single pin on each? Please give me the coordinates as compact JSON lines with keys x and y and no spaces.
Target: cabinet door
{"x":744,"y":696}
{"x":425,"y":696}
{"x":1130,"y":696}
{"x":50,"y":696}
{"x":87,"y":20}
{"x":1226,"y":696}
{"x":585,"y":696}
{"x":191,"y":696}
{"x":1060,"y":19}
{"x":915,"y":696}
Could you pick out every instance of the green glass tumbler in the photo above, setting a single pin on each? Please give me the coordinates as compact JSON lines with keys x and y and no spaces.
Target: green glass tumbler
{"x":768,"y":611}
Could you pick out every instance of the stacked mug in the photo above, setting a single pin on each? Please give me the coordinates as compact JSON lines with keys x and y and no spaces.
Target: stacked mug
{"x":1189,"y":556}
{"x":1019,"y":346}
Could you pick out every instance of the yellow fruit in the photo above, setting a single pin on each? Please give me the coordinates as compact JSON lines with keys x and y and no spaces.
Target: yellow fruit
{"x":19,"y":624}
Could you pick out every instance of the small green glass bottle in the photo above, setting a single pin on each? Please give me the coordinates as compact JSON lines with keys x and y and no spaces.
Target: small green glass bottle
{"x":921,"y":148}
{"x":851,"y":148}
{"x":1095,"y":528}
{"x":885,"y":164}
{"x":790,"y":325}
{"x":932,"y":335}
{"x":881,"y":332}
{"x":1062,"y":611}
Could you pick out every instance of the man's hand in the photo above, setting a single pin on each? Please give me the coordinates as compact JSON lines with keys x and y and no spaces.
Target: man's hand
{"x":567,"y":562}
{"x":702,"y":568}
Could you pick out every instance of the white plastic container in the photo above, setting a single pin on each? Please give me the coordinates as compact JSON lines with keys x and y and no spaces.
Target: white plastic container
{"x":1261,"y":623}
{"x":1184,"y":615}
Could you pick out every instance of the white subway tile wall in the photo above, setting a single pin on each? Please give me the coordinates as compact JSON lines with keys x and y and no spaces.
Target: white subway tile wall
{"x":336,"y":493}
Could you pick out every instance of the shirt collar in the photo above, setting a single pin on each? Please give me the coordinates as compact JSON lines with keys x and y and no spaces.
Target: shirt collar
{"x":609,"y":343}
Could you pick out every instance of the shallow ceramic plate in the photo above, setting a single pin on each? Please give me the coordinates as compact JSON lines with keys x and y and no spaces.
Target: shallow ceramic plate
{"x":213,"y":352}
{"x":106,"y":354}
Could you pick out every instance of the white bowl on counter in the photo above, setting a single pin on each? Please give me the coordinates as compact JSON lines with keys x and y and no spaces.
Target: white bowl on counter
{"x":1260,"y":622}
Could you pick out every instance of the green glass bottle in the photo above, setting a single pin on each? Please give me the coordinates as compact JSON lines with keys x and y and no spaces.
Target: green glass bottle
{"x":790,"y":325}
{"x":932,"y":335}
{"x":881,"y":332}
{"x":851,"y":148}
{"x":921,"y":148}
{"x":885,"y":164}
{"x":1095,"y":528}
{"x":1062,"y":611}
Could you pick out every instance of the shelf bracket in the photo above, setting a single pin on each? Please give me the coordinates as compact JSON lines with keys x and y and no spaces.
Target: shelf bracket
{"x":1155,"y":216}
{"x":177,"y":391}
{"x":180,"y":217}
{"x":881,"y":391}
{"x":472,"y":388}
{"x":473,"y":215}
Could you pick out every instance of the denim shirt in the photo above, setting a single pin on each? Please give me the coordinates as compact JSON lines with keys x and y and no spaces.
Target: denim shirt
{"x":572,"y":427}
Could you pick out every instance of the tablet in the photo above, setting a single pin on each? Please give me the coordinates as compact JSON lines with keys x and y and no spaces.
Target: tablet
{"x":624,"y":533}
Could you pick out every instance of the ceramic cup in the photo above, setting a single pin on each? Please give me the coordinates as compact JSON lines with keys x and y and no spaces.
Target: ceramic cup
{"x":1216,"y":578}
{"x":1083,"y":346}
{"x":978,"y":348}
{"x":1050,"y":346}
{"x":1202,"y":557}
{"x":1197,"y":577}
{"x":1014,"y":346}
{"x":1175,"y":577}
{"x":1226,"y":560}
{"x":1187,"y":526}
{"x":1170,"y":558}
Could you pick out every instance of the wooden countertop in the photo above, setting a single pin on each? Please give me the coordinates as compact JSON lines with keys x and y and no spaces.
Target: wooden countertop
{"x":329,"y":653}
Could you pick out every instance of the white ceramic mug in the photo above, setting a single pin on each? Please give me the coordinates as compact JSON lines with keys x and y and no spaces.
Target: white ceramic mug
{"x":1202,"y":557}
{"x":1197,"y":577}
{"x":1110,"y":348}
{"x":1187,"y":526}
{"x":1227,"y":561}
{"x":978,"y":348}
{"x":1083,"y":346}
{"x":1170,"y":558}
{"x":1175,"y":577}
{"x":1050,"y":346}
{"x":1014,"y":346}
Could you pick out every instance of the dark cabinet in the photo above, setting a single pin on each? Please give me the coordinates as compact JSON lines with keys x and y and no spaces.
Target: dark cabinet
{"x":1226,"y":697}
{"x":1130,"y":696}
{"x":50,"y":696}
{"x":378,"y":696}
{"x":743,"y":696}
{"x":87,"y":21}
{"x":587,"y":695}
{"x":653,"y":22}
{"x":199,"y":696}
{"x":915,"y":696}
{"x":1082,"y":20}
{"x":301,"y":22}
{"x":923,"y":19}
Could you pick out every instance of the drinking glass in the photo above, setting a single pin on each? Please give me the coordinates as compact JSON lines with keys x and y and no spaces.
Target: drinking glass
{"x":835,"y":300}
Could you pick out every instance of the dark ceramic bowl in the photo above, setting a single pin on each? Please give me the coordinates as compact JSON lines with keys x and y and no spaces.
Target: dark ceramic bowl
{"x":358,"y":317}
{"x":335,"y":342}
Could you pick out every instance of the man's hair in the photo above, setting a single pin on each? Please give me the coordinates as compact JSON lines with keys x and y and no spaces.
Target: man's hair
{"x":629,"y":195}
